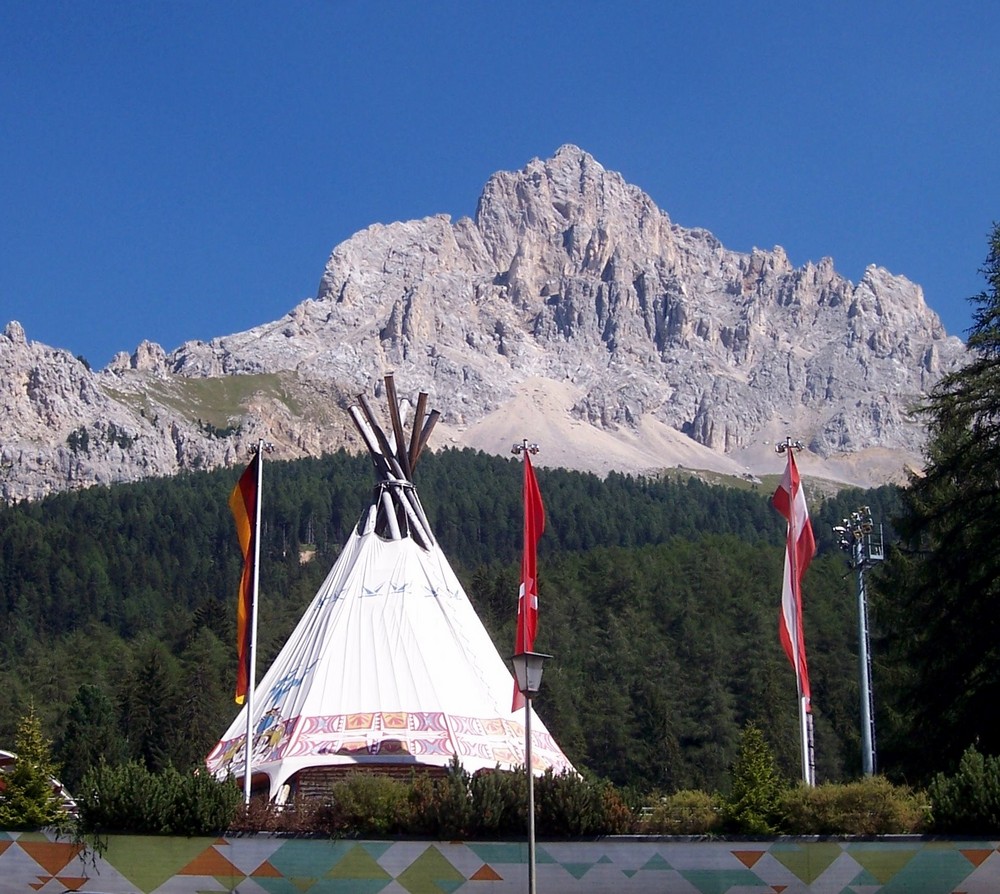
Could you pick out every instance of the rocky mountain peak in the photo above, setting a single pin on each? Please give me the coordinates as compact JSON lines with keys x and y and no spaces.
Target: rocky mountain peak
{"x":14,"y":333}
{"x":568,"y":213}
{"x":569,"y":309}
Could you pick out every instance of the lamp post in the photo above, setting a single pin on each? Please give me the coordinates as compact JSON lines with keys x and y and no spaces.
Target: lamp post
{"x":856,"y":536}
{"x":528,"y":673}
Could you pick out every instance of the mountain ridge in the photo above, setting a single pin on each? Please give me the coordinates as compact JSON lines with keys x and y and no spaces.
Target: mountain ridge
{"x":570,"y":310}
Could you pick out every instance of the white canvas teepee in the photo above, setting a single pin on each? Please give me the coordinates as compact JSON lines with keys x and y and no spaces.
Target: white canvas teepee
{"x":390,"y":666}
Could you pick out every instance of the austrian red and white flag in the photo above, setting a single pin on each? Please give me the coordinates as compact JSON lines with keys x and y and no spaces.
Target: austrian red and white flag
{"x":527,"y":597}
{"x":800,"y":546}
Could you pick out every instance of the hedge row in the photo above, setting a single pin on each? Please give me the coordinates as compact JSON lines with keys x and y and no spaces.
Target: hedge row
{"x":456,"y":806}
{"x":870,"y":807}
{"x":494,"y":805}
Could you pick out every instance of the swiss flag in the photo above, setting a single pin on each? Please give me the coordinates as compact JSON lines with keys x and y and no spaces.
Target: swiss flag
{"x":527,"y":598}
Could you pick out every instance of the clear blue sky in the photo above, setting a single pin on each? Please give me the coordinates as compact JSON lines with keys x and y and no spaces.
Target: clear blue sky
{"x":182,"y":170}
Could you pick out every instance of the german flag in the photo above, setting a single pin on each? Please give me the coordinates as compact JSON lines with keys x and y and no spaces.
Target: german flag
{"x":243,"y":503}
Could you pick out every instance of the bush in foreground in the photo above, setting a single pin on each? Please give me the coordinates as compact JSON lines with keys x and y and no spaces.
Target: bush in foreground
{"x":130,"y":798}
{"x":752,"y":805}
{"x":968,"y":802}
{"x":871,"y":806}
{"x":688,"y":812}
{"x":28,"y":797}
{"x":493,"y":806}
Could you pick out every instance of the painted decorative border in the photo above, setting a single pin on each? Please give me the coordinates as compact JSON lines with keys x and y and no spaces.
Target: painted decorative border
{"x":260,"y":864}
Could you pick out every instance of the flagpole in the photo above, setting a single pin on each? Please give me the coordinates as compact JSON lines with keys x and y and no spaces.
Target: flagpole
{"x":524,"y":654}
{"x":808,"y":751}
{"x":252,"y":677}
{"x":525,"y":643}
{"x":531,"y":794}
{"x":805,"y":717}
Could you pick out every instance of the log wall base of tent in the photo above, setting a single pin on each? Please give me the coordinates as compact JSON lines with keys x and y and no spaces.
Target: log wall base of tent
{"x":319,"y":782}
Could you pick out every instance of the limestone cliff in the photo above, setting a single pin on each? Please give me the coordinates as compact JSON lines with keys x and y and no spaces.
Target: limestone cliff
{"x":570,"y":310}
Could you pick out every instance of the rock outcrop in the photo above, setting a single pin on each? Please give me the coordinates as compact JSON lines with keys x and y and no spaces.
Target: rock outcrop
{"x":570,"y":306}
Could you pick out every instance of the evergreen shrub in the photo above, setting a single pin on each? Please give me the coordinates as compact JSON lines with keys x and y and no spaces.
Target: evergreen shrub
{"x":568,"y":806}
{"x":202,"y":804}
{"x":752,"y":806}
{"x":131,"y":798}
{"x":500,"y":800}
{"x":28,"y":799}
{"x":367,"y":805}
{"x":488,"y":805}
{"x":967,"y":802}
{"x":442,"y":806}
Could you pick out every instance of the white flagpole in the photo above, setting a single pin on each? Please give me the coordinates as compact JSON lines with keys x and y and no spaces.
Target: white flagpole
{"x":808,"y":753}
{"x":252,"y":677}
{"x":793,"y":561}
{"x":811,"y":749}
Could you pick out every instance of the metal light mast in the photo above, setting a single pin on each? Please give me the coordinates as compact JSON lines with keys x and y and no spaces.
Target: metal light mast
{"x":857,"y":537}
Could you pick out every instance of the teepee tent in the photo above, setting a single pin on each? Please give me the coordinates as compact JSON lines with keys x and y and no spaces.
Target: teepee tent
{"x":389,"y":668}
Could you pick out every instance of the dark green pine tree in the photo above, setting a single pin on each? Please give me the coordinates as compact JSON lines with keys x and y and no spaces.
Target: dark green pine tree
{"x":752,"y":805}
{"x":149,"y":693}
{"x":28,"y":799}
{"x":940,"y":598}
{"x":92,"y":735}
{"x":206,"y":698}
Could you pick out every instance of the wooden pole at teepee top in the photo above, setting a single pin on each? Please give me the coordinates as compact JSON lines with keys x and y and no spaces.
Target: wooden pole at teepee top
{"x":371,"y":442}
{"x":432,"y":420}
{"x":418,"y":421}
{"x":397,"y":427}
{"x":394,"y":467}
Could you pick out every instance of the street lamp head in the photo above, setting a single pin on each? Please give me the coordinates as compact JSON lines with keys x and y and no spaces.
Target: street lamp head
{"x":528,"y":672}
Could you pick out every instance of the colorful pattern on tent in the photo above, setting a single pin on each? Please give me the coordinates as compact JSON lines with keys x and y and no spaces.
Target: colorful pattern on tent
{"x":403,"y":733}
{"x":266,"y":865}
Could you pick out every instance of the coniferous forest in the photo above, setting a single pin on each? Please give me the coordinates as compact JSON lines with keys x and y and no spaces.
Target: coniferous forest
{"x":659,"y":600}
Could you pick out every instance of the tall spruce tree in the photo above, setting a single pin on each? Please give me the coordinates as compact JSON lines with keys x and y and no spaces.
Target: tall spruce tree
{"x":752,"y":805}
{"x":940,"y":600}
{"x":28,"y":799}
{"x":92,"y":735}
